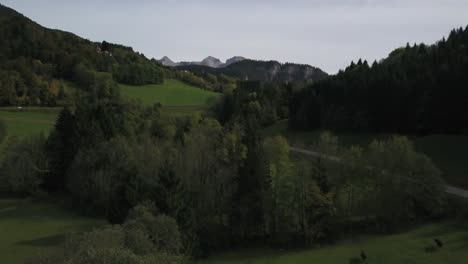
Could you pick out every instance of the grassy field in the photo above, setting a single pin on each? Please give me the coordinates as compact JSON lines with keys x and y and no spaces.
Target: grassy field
{"x":171,"y":93}
{"x":414,"y":246}
{"x":176,"y":97}
{"x":173,"y":111}
{"x":28,"y":228}
{"x":29,"y":121}
{"x":447,"y":151}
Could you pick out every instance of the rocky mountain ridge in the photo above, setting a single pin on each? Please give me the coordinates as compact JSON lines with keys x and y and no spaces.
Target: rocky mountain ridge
{"x":209,"y":61}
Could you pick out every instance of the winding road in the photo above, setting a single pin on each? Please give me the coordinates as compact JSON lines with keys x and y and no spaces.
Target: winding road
{"x":448,"y":188}
{"x":456,"y":191}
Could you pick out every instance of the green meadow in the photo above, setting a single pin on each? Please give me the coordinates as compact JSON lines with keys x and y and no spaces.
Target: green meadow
{"x":415,"y":246}
{"x":171,"y":93}
{"x":176,"y":97}
{"x":29,"y":121}
{"x":29,"y":228}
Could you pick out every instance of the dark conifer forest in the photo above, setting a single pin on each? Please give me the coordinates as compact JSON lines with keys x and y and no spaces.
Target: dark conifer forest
{"x":418,"y":89}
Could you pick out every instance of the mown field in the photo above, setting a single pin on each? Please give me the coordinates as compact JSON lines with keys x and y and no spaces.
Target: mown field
{"x":447,"y":151}
{"x":171,"y":93}
{"x":415,"y":246}
{"x":28,"y":228}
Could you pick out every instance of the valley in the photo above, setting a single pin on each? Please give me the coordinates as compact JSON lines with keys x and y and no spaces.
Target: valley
{"x":108,"y":155}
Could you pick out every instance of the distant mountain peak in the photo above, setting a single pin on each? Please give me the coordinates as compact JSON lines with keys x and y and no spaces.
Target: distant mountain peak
{"x":234,"y":60}
{"x":211,"y":58}
{"x":209,"y":61}
{"x":257,"y":70}
{"x":167,"y":62}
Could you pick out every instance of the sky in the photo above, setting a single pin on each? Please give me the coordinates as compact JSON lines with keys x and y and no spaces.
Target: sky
{"x":325,"y":33}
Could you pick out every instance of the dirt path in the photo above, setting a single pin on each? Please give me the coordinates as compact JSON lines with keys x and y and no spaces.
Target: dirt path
{"x":456,"y":191}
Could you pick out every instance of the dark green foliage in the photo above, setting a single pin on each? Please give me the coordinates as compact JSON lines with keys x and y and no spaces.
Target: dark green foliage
{"x":23,"y":167}
{"x":216,"y":83}
{"x":3,"y":131}
{"x":261,"y":188}
{"x":417,"y":89}
{"x":263,"y":103}
{"x":162,"y":231}
{"x":134,"y":68}
{"x":111,"y":177}
{"x":388,"y":184}
{"x":207,"y":168}
{"x":97,"y":140}
{"x":93,"y":121}
{"x":143,"y":238}
{"x":407,"y":185}
{"x":61,"y":149}
{"x":296,"y":210}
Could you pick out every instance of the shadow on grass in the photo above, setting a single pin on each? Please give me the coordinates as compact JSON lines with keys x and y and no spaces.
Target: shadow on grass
{"x":459,"y":242}
{"x":35,"y":212}
{"x":355,"y":260}
{"x":29,"y":211}
{"x":443,"y":229}
{"x":48,"y":241}
{"x":430,"y":249}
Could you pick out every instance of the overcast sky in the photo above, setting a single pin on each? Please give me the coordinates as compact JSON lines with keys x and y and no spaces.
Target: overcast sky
{"x":324,"y":33}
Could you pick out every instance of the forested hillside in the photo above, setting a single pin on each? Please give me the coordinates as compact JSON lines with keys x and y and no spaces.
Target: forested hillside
{"x":33,"y":57}
{"x":270,"y":71}
{"x":417,"y":89}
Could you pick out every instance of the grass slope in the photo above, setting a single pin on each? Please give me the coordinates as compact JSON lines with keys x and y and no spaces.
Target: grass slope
{"x":171,"y":93}
{"x":415,"y":246}
{"x":29,"y":228}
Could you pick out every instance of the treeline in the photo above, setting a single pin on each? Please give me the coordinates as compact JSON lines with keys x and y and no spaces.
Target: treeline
{"x":266,"y":71}
{"x":212,"y":82}
{"x":418,"y":89}
{"x":220,"y":186}
{"x":269,"y":101}
{"x":31,"y":57}
{"x":145,"y":237}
